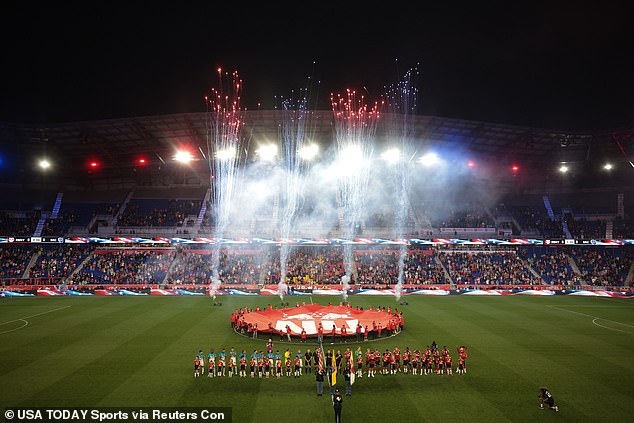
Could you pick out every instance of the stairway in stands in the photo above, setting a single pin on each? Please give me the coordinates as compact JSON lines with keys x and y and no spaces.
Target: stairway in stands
{"x":549,"y":208}
{"x":52,"y":215}
{"x":57,"y":205}
{"x":116,"y":217}
{"x":203,"y":210}
{"x":609,"y":229}
{"x":630,"y":276}
{"x":564,"y":222}
{"x":32,"y":261}
{"x":452,"y":283}
{"x":573,"y":265}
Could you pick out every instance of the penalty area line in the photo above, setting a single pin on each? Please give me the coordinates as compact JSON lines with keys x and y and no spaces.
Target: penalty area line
{"x":595,"y":319}
{"x":34,"y":315}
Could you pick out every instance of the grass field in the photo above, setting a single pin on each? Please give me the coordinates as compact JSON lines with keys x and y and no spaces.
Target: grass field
{"x":138,"y":351}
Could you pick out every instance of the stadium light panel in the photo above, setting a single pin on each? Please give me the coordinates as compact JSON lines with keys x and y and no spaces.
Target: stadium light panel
{"x":226,"y":154}
{"x":608,"y":166}
{"x":44,"y":164}
{"x":393,"y":155}
{"x":267,"y":152}
{"x":429,"y":159}
{"x":352,"y":156}
{"x":563,"y":168}
{"x":183,"y":156}
{"x":309,"y":152}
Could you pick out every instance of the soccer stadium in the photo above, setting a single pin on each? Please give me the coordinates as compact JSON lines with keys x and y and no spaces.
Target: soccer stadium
{"x":253,"y":265}
{"x":116,"y":275}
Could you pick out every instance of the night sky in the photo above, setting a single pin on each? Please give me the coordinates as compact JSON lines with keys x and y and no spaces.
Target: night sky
{"x":563,"y":66}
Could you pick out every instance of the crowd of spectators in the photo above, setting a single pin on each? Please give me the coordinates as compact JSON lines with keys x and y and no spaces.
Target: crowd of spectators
{"x":58,"y":261}
{"x":124,"y":266}
{"x":12,"y":224}
{"x":623,"y":228}
{"x":583,"y":228}
{"x":173,"y":213}
{"x":382,"y":267}
{"x":471,"y":215}
{"x":308,"y":266}
{"x":488,"y":268}
{"x":234,"y":267}
{"x":553,"y":265}
{"x":13,"y":260}
{"x":603,"y":267}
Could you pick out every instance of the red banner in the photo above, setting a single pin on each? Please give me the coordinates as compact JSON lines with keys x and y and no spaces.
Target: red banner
{"x":308,"y":317}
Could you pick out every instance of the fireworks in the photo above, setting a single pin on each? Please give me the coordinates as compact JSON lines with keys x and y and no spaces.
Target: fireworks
{"x":355,"y":129}
{"x":402,"y":106}
{"x":295,"y":131}
{"x":225,"y":120}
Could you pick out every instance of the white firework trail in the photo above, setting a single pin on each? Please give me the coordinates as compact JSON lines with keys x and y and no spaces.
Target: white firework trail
{"x":294,"y":134}
{"x":226,"y":149}
{"x":401,"y":103}
{"x":355,"y":130}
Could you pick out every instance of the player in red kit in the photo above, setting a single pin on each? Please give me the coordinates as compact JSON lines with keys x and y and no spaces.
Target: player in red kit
{"x":448,"y":364}
{"x":407,"y":356}
{"x":196,"y":366}
{"x":288,"y":367}
{"x":260,"y":365}
{"x":221,"y":367}
{"x":231,"y":367}
{"x":253,"y":364}
{"x":297,"y":365}
{"x":278,"y":367}
{"x":415,"y":362}
{"x":371,"y":365}
{"x":462,"y":367}
{"x":243,"y":366}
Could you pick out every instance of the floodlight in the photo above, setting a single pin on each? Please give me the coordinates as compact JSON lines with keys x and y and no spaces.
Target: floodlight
{"x":44,"y":164}
{"x":392,"y":155}
{"x":309,"y":152}
{"x":429,"y":159}
{"x":183,"y":156}
{"x":226,"y":154}
{"x":267,"y":152}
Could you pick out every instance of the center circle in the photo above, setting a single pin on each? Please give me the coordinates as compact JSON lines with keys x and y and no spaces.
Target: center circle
{"x":333,"y":322}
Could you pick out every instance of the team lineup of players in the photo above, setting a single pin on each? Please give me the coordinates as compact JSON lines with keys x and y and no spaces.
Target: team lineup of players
{"x":260,"y":364}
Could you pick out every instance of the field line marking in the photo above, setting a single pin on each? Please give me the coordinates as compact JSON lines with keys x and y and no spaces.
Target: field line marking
{"x":34,"y":315}
{"x":594,"y":321}
{"x":595,"y":318}
{"x":26,"y":323}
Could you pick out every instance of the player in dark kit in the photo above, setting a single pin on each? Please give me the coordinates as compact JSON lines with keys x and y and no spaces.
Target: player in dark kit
{"x":545,"y":397}
{"x":337,"y":402}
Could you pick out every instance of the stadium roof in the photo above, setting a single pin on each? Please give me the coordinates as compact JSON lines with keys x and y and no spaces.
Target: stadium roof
{"x":116,"y":145}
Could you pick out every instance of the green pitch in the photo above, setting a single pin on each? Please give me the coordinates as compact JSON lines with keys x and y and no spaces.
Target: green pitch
{"x":138,"y":351}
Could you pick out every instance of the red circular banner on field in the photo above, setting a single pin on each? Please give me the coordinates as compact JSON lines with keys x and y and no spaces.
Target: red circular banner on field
{"x":308,"y":317}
